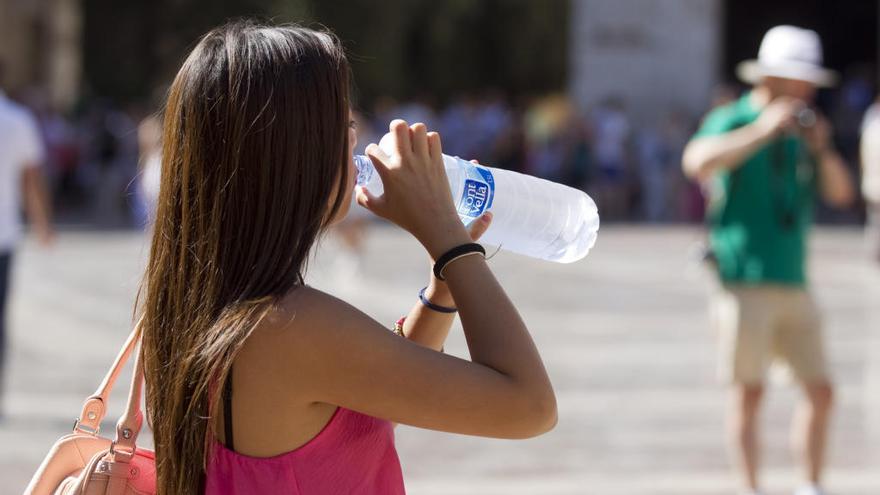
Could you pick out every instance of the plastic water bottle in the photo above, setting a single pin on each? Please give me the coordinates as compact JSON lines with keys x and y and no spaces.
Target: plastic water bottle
{"x":531,"y":216}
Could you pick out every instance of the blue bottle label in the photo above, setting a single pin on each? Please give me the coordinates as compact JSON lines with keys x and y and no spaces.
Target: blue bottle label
{"x":478,"y":192}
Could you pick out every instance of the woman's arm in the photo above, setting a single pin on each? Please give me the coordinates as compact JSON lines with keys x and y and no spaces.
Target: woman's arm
{"x":426,"y":326}
{"x":338,"y":355}
{"x":329,"y":352}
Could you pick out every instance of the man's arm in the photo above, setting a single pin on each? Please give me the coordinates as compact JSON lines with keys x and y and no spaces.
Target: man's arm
{"x":36,"y":201}
{"x":704,"y":156}
{"x":835,"y":184}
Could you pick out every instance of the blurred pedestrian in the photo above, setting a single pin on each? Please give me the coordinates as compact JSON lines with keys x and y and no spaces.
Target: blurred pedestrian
{"x":870,"y":153}
{"x":853,"y":98}
{"x":546,"y":123}
{"x":458,"y":125}
{"x":351,"y":232}
{"x":419,"y":109}
{"x":612,"y":135}
{"x":111,"y":162}
{"x":149,"y":135}
{"x":659,"y":149}
{"x":579,"y":159}
{"x":510,"y":148}
{"x":765,"y":155}
{"x":21,"y":157}
{"x":60,"y":140}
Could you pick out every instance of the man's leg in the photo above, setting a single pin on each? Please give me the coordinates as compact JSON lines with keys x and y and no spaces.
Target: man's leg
{"x":5,"y":261}
{"x":742,"y":317}
{"x":800,"y":342}
{"x":810,"y":429}
{"x":743,"y":431}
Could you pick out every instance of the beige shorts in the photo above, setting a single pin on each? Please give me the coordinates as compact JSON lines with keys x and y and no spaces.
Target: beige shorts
{"x":759,"y":324}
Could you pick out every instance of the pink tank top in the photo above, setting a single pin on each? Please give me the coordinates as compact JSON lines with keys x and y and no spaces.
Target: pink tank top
{"x":354,"y":453}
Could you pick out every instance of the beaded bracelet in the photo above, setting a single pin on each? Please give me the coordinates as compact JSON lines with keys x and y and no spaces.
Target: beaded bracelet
{"x":398,"y":326}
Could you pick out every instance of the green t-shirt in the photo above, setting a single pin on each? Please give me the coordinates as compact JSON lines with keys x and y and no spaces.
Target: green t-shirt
{"x":759,"y":213}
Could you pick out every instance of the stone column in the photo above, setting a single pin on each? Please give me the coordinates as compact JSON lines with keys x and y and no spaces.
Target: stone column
{"x":40,"y":46}
{"x":16,"y":41}
{"x":64,"y":57}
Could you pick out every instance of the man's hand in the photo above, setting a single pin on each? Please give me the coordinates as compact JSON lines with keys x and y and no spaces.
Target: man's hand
{"x":818,"y":136}
{"x":38,"y":205}
{"x":778,"y":116}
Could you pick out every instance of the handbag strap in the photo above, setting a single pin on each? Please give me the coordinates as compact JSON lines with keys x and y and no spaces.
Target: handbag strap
{"x":95,"y":407}
{"x":129,"y":425}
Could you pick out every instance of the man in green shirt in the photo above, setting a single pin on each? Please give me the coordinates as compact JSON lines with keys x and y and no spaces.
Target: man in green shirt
{"x":765,"y":157}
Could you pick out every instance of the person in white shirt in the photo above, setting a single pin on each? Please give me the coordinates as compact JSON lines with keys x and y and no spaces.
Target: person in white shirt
{"x":870,"y":152}
{"x":21,"y":155}
{"x":149,"y":136}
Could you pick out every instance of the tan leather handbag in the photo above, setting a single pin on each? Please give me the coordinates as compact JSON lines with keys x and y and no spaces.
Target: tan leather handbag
{"x":83,"y":463}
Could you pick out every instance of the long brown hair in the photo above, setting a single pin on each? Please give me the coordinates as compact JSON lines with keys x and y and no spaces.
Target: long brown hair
{"x":255,"y":145}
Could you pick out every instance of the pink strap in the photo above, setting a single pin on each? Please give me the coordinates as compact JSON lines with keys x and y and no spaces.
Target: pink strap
{"x":129,"y":425}
{"x":95,"y":407}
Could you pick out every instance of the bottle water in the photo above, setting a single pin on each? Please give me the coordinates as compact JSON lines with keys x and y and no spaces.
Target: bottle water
{"x":530,"y":216}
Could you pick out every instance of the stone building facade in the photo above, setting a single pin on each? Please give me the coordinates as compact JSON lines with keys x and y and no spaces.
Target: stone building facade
{"x":652,"y":54}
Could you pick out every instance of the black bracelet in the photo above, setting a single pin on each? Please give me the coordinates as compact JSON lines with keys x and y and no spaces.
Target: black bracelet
{"x":436,"y":307}
{"x":454,"y":254}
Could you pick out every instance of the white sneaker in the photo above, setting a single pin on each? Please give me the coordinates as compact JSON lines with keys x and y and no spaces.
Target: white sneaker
{"x":809,"y":490}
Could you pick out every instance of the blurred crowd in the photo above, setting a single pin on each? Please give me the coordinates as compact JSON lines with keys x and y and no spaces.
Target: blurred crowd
{"x":631,"y":168}
{"x":92,"y":160}
{"x":102,"y":160}
{"x":633,"y":172}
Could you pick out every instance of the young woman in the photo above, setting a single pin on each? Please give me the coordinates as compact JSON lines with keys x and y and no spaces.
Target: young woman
{"x":258,"y":383}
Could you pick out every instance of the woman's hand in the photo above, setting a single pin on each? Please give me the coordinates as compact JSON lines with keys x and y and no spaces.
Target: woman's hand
{"x":417,"y":195}
{"x":437,"y":291}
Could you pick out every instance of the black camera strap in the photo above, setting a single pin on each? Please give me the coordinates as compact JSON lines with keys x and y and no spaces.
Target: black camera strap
{"x":788,"y":203}
{"x":784,"y":202}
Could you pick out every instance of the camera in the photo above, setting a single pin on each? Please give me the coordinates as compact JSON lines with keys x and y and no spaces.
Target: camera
{"x":806,"y":118}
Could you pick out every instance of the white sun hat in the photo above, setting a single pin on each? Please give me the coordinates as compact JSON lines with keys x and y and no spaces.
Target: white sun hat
{"x":789,"y":52}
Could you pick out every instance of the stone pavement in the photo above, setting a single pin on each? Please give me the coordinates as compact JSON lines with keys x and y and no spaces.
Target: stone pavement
{"x":623,"y":333}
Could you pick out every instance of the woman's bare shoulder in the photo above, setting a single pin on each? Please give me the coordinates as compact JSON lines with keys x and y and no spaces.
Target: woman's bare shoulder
{"x":305,"y":333}
{"x":307,"y":304}
{"x":305,"y":316}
